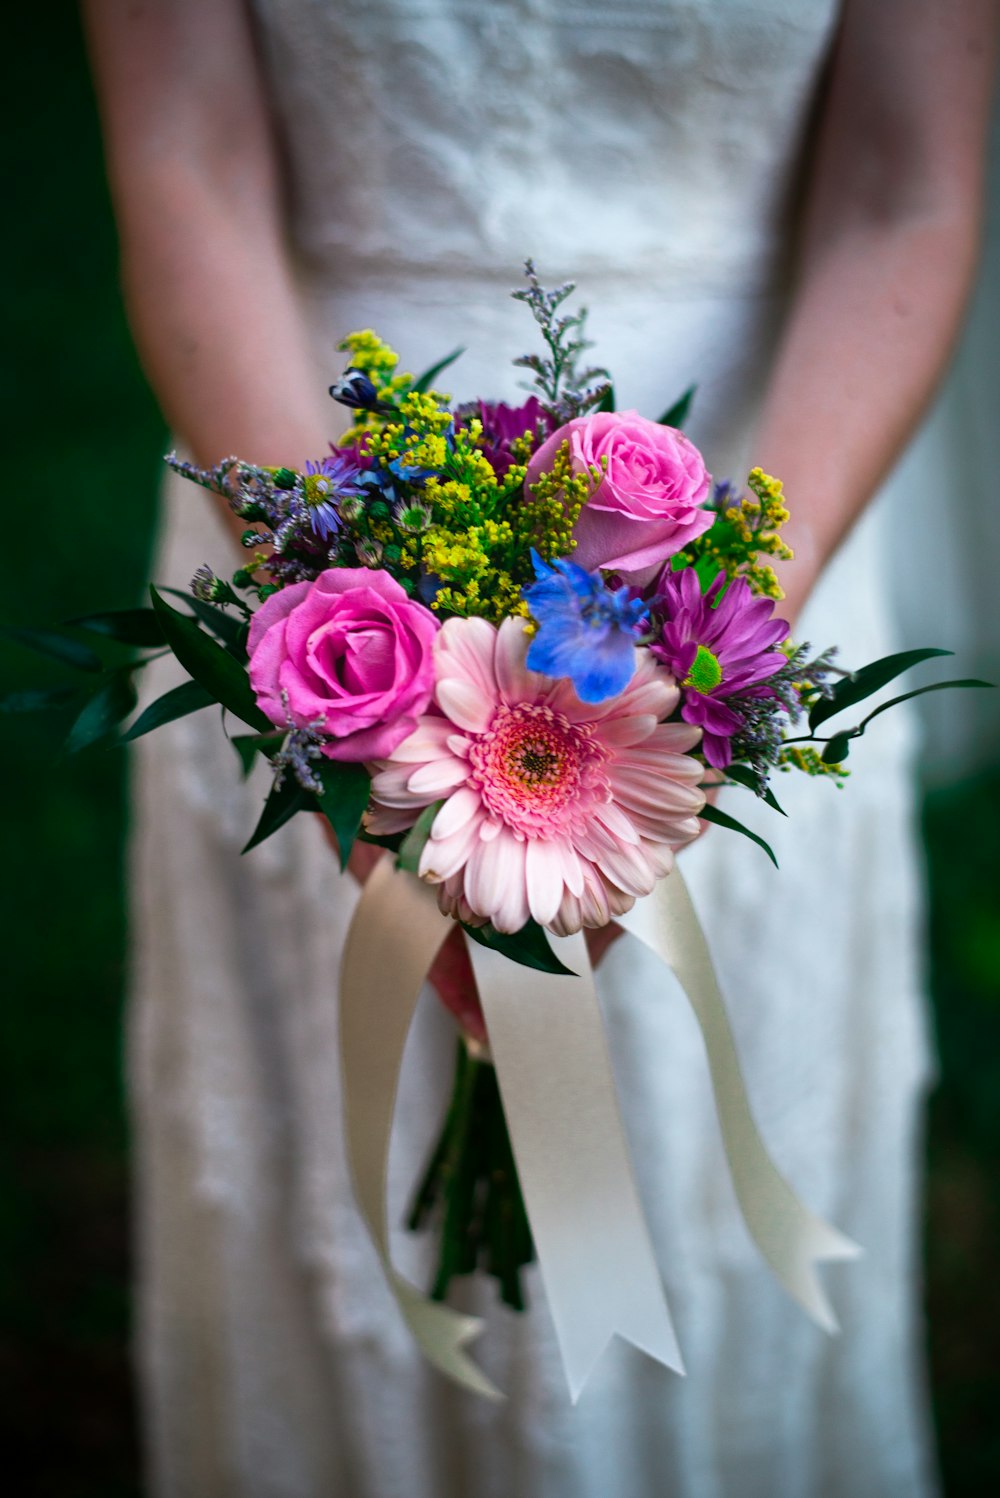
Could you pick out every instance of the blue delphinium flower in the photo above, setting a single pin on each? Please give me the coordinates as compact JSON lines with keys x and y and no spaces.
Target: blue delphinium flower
{"x":585,"y":630}
{"x":356,"y":389}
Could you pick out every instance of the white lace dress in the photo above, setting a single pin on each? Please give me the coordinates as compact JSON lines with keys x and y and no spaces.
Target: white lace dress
{"x":649,"y":149}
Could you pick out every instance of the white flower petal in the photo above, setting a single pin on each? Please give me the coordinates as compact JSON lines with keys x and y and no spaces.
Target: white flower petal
{"x":427,"y":741}
{"x":543,"y":878}
{"x":456,"y":811}
{"x":442,"y":775}
{"x":465,"y":703}
{"x":465,"y":648}
{"x":515,"y":682}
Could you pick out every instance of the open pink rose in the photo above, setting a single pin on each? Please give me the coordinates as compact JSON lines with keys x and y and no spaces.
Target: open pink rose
{"x":349,"y":651}
{"x":647,"y":506}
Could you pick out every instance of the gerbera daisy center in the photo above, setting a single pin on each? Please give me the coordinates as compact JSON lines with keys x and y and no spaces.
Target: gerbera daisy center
{"x":531,"y":766}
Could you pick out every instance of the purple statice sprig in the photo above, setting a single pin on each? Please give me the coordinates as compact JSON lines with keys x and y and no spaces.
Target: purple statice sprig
{"x":768,"y":712}
{"x":565,"y":390}
{"x":586,"y":631}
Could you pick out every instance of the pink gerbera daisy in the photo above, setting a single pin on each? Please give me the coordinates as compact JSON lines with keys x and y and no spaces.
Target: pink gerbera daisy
{"x":556,"y":809}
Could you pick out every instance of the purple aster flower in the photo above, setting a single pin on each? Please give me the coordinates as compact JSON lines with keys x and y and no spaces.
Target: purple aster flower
{"x":720,"y":646}
{"x":585,"y":631}
{"x":326,"y":484}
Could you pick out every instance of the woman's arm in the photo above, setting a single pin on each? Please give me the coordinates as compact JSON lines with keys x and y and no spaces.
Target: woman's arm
{"x":888,"y":258}
{"x":208,"y":284}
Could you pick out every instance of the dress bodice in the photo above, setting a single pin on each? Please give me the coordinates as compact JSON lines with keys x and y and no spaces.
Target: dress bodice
{"x":642,"y":139}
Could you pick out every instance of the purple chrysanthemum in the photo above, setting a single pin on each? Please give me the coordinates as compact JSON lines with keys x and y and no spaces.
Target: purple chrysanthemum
{"x":718,"y":647}
{"x":503,"y":425}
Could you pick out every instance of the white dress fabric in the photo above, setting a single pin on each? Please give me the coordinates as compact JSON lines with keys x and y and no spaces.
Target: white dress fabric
{"x":651,"y":151}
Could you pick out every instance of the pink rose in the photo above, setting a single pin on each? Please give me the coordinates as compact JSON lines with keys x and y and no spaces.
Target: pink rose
{"x":647,"y":506}
{"x":349,"y":651}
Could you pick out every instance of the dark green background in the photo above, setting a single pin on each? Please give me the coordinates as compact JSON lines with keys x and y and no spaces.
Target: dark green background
{"x":81,"y":466}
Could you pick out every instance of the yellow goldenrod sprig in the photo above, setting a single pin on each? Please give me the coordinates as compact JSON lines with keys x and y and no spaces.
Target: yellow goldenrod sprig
{"x":746,"y":531}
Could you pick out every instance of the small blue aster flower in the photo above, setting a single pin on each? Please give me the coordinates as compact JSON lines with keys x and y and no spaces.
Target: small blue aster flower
{"x":586,"y":631}
{"x":327,"y":484}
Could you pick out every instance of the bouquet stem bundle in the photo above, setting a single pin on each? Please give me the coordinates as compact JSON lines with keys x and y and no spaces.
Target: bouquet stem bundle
{"x":471,"y":1191}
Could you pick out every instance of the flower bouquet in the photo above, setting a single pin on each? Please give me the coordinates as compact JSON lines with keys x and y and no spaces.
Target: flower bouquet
{"x":510,"y":646}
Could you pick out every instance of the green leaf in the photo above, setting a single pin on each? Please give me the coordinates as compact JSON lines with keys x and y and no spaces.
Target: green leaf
{"x":280,"y":806}
{"x":206,"y":660}
{"x":723,"y":819}
{"x":249,"y":745}
{"x":428,"y":377}
{"x":59,"y":646}
{"x":935,"y":686}
{"x":189,"y":697}
{"x":231,"y":629}
{"x":346,"y":790}
{"x":412,"y":845}
{"x":838,"y":748}
{"x":38,"y":699}
{"x":127,"y":626}
{"x":743,"y":775}
{"x":103,"y":712}
{"x":676,"y":415}
{"x":861,"y":684}
{"x":529,"y":946}
{"x":607,"y":400}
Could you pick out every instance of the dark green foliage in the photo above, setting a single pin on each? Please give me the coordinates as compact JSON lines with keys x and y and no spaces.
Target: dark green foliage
{"x":112,"y":702}
{"x":211,"y":665}
{"x":744,"y":776}
{"x":864,"y":683}
{"x":249,"y":745}
{"x":281,"y":805}
{"x":230,"y":629}
{"x":529,"y":946}
{"x":412,"y":845}
{"x":723,"y":819}
{"x":346,"y":789}
{"x":426,"y":380}
{"x":59,"y":646}
{"x":189,"y":697}
{"x":127,"y":626}
{"x":677,"y":414}
{"x":470,"y":1189}
{"x":38,"y":699}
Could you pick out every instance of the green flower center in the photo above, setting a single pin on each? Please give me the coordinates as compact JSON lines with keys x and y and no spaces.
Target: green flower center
{"x":705,"y":674}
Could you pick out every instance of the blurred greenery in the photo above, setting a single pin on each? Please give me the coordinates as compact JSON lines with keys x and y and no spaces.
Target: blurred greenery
{"x":82,"y":469}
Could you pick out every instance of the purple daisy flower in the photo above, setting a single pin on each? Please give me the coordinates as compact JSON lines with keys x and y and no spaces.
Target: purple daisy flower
{"x":718,"y":648}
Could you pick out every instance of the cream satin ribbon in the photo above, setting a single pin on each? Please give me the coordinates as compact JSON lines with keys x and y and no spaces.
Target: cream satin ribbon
{"x":791,"y":1238}
{"x":596,"y":1259}
{"x":393,"y":939}
{"x":555,"y":1080}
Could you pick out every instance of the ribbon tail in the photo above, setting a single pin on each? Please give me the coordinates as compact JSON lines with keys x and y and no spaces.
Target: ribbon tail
{"x":791,"y":1238}
{"x":393,"y":938}
{"x":596,"y":1259}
